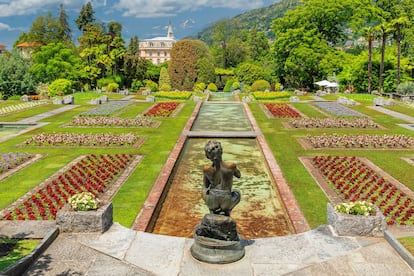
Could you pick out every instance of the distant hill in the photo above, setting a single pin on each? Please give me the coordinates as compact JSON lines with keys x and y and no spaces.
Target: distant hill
{"x":261,"y":18}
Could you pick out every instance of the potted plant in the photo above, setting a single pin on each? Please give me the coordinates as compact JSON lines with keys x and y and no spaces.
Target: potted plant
{"x":359,"y":218}
{"x":85,"y":213}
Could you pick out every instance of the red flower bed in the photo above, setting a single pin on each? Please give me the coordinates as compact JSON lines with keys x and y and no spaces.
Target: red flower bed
{"x":282,"y":110}
{"x":93,"y":173}
{"x":353,"y":180}
{"x":162,"y":109}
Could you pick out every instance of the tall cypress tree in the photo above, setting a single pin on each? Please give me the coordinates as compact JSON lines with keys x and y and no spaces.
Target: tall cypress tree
{"x":63,"y":21}
{"x":86,"y":16}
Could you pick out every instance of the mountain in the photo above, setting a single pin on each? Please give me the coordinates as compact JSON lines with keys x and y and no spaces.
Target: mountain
{"x":261,"y":18}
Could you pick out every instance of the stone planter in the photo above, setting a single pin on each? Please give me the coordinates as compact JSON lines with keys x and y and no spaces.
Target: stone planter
{"x":356,"y":225}
{"x":98,"y":220}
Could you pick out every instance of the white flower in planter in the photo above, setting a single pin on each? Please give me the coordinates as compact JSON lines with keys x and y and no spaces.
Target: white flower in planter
{"x":84,"y":202}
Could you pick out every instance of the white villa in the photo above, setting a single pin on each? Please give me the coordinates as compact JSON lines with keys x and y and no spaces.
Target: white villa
{"x":157,"y":49}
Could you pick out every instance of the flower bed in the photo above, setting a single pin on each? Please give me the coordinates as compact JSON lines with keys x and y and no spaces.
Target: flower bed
{"x":282,"y":110}
{"x":11,"y":160}
{"x":72,"y":139}
{"x":93,"y":173}
{"x":333,"y":123}
{"x":102,"y":121}
{"x":353,"y":180}
{"x":271,"y":95}
{"x":176,"y":95}
{"x":337,"y":109}
{"x":361,"y":141}
{"x":19,"y":107}
{"x":162,"y":109}
{"x":106,"y":109}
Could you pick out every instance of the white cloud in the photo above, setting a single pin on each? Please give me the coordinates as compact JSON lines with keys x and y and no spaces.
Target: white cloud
{"x":166,"y":8}
{"x":4,"y":27}
{"x":26,"y":7}
{"x":188,"y":23}
{"x":7,"y":27}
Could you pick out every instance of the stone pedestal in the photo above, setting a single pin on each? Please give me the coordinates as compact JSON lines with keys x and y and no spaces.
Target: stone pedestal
{"x":216,"y":240}
{"x":356,"y":225}
{"x":98,"y":220}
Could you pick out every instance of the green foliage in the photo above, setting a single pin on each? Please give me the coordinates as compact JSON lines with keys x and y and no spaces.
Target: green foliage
{"x":199,"y":87}
{"x":235,"y":85}
{"x":42,"y":89}
{"x":165,"y":87}
{"x":112,"y":79}
{"x":151,"y":85}
{"x":261,"y":85}
{"x":60,"y":87}
{"x":176,"y":95}
{"x":15,"y":77}
{"x":185,"y":56}
{"x":228,"y":86}
{"x":271,"y":95}
{"x":248,"y":73}
{"x":212,"y":87}
{"x":164,"y":81}
{"x":112,"y":87}
{"x":54,"y":61}
{"x":406,"y":88}
{"x":136,"y":85}
{"x":86,"y":16}
{"x":205,"y":70}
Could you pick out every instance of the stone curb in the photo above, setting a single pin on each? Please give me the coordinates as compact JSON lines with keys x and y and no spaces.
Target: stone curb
{"x":399,"y":248}
{"x":22,"y":265}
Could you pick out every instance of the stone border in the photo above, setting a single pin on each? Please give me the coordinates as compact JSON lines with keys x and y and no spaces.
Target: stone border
{"x":269,"y":114}
{"x":308,"y":146}
{"x":401,"y":250}
{"x":288,"y":199}
{"x":137,"y":144}
{"x":143,"y":219}
{"x":23,"y":264}
{"x":408,"y":160}
{"x":21,"y":166}
{"x":114,"y":187}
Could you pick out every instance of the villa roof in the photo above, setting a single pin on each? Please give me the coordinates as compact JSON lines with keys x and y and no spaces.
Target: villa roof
{"x":164,"y":38}
{"x":29,"y":44}
{"x":2,"y":46}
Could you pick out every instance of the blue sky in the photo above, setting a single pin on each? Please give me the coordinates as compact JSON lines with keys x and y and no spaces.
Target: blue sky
{"x":144,"y":18}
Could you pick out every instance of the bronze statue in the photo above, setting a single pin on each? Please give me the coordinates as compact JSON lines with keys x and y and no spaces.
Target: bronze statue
{"x":216,"y":239}
{"x":218,"y":181}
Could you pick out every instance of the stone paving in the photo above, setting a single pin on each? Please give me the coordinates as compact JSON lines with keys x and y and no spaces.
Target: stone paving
{"x":122,"y":251}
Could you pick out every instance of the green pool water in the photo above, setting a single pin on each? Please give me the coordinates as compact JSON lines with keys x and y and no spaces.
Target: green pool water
{"x":260,"y":212}
{"x":222,"y":117}
{"x":10,"y":129}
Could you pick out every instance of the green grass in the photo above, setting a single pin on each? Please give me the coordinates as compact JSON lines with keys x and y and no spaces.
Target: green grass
{"x":286,"y":150}
{"x":160,"y":141}
{"x":127,"y":203}
{"x":408,"y":243}
{"x":22,"y":249}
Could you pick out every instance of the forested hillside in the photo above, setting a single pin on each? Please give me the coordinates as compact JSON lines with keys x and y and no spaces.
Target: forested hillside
{"x":259,"y":18}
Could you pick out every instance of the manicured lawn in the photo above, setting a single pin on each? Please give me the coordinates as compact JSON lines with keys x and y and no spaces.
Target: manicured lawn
{"x":128,"y":201}
{"x":22,"y":249}
{"x":160,"y":141}
{"x":408,"y":243}
{"x":286,"y":151}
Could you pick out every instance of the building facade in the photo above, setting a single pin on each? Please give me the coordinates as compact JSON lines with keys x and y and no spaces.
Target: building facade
{"x":157,"y":49}
{"x":2,"y":48}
